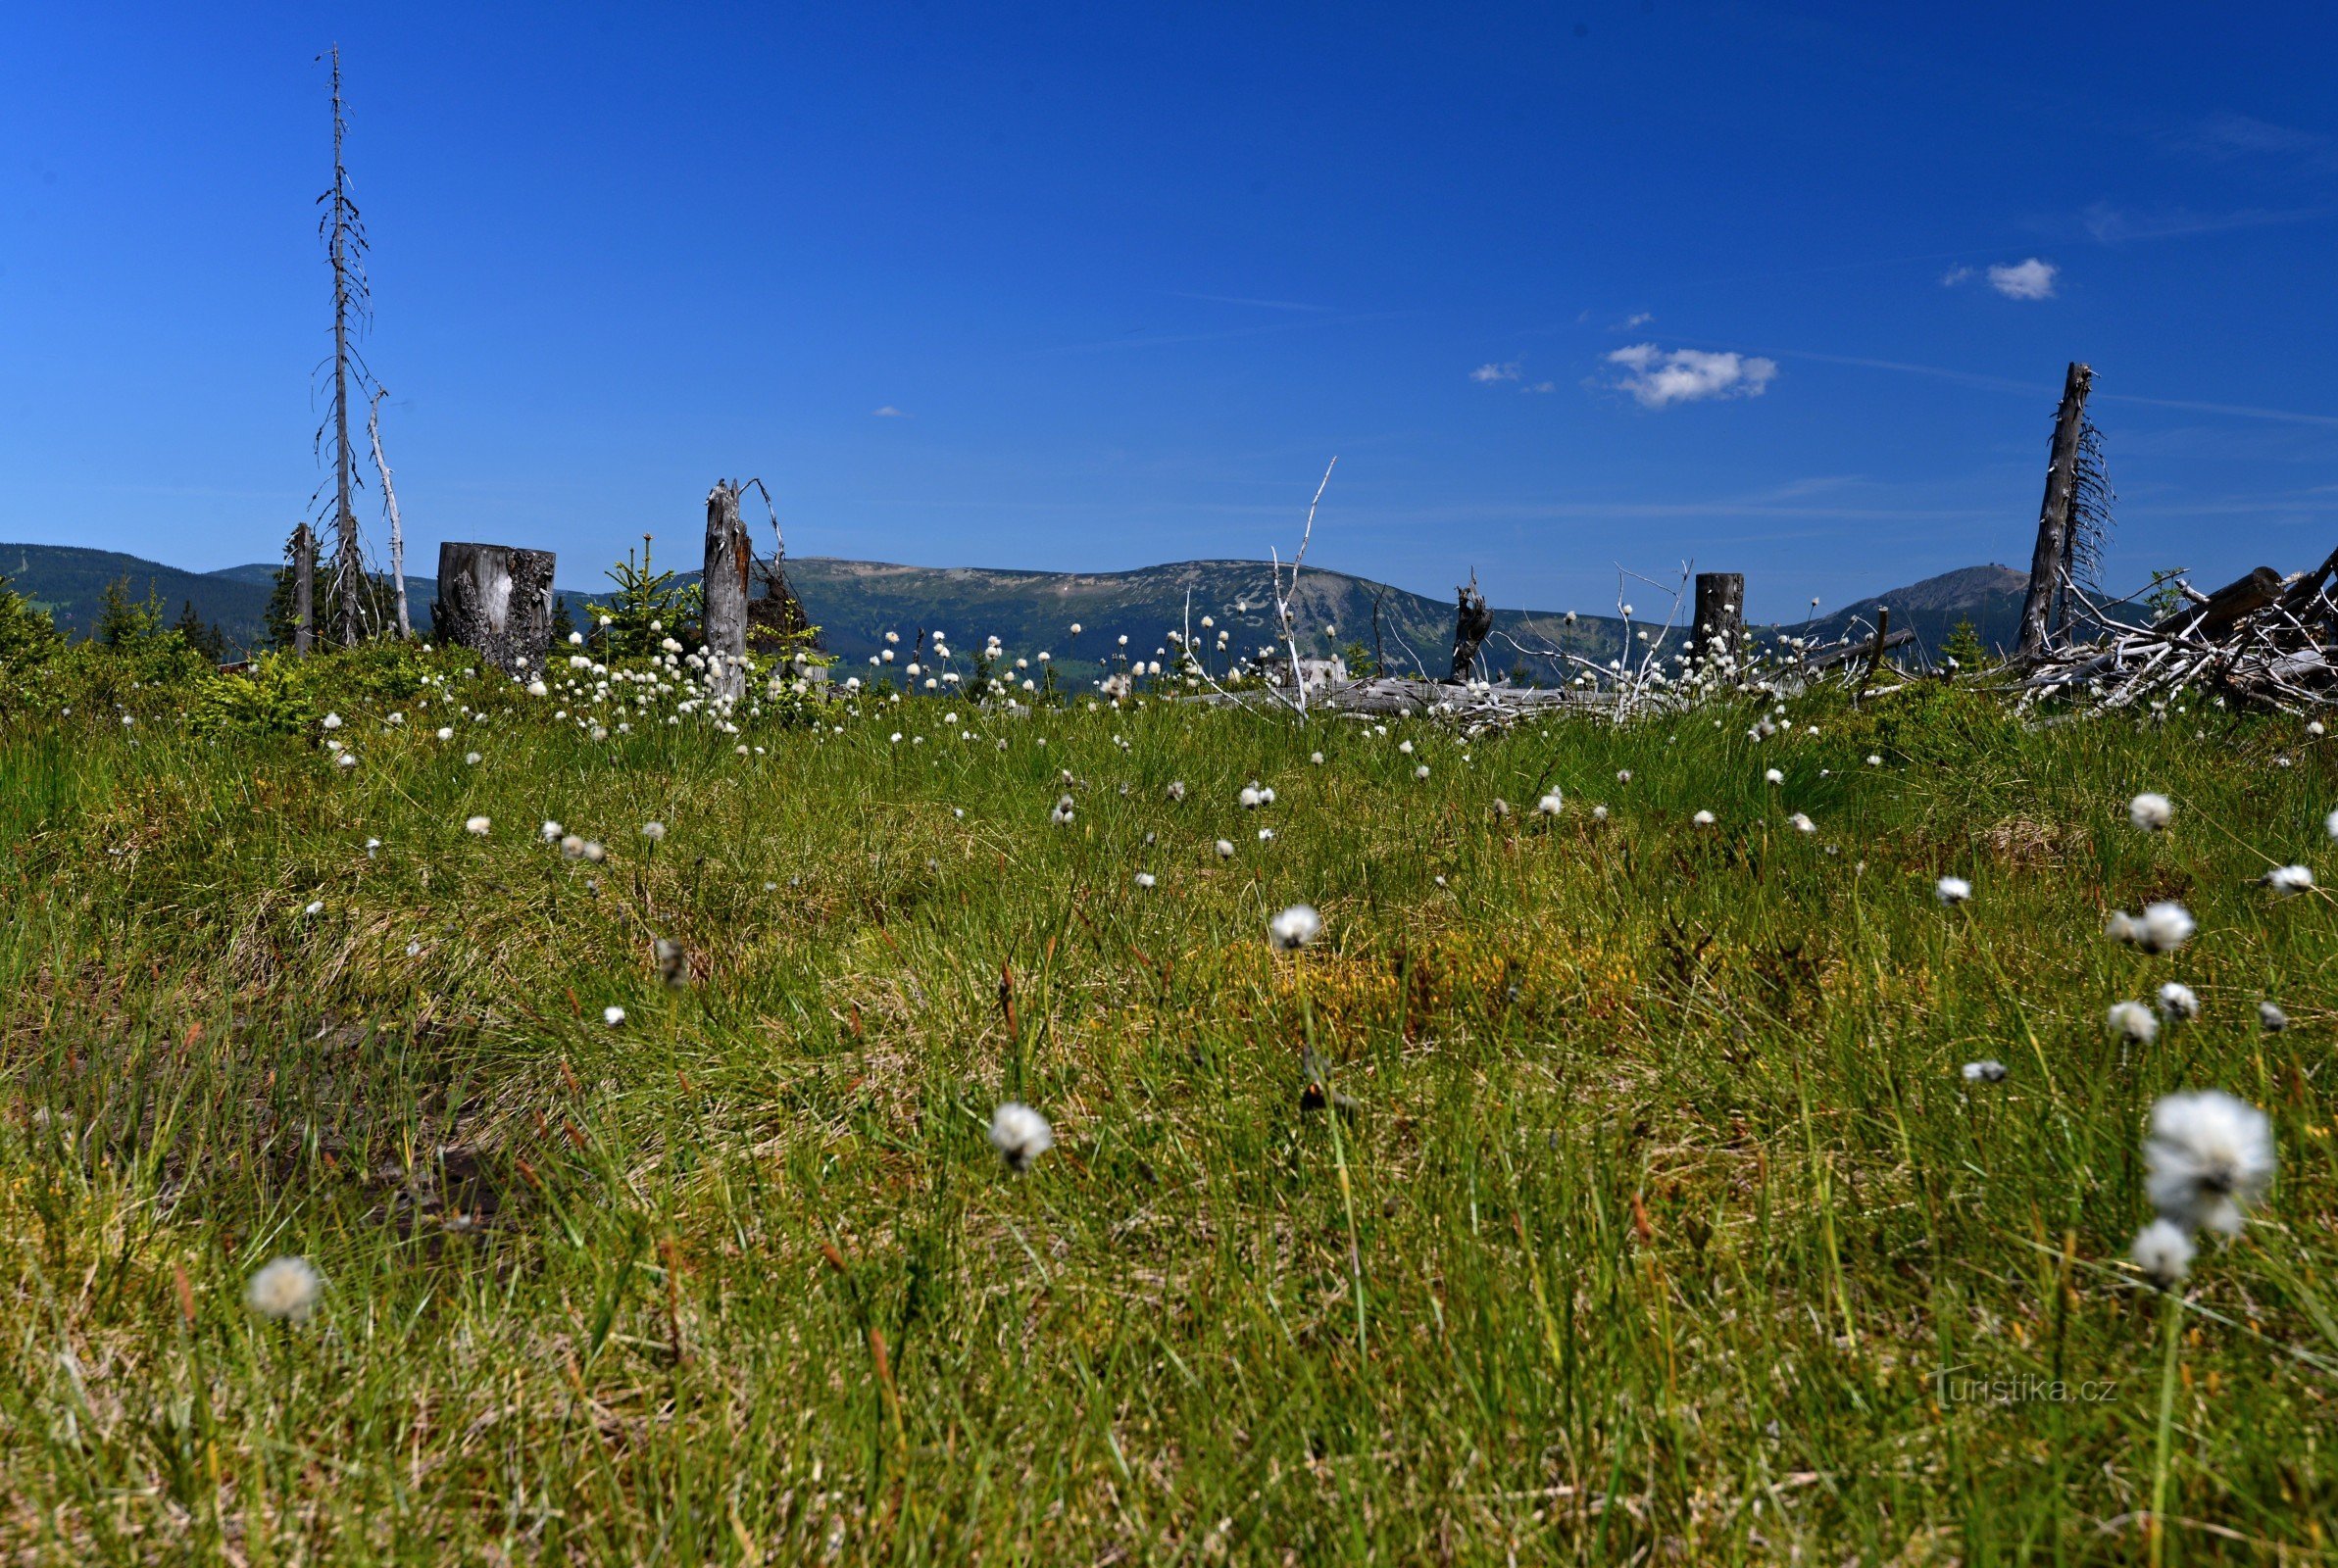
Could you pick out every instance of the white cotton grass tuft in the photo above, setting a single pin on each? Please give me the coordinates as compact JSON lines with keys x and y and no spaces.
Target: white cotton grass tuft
{"x":2120,"y":927}
{"x":2178,"y":1000}
{"x":1176,"y":788}
{"x":2163,"y":1252}
{"x":1062,"y":815}
{"x":1249,"y":797}
{"x":1021,"y":1135}
{"x":285,"y":1289}
{"x":655,"y":832}
{"x":1802,"y":824}
{"x":1774,"y":776}
{"x":2331,"y":824}
{"x":2290,"y":879}
{"x":2132,"y":1021}
{"x":1987,"y":1071}
{"x":1144,"y":879}
{"x":2150,"y":812}
{"x":1295,"y":927}
{"x":550,"y":832}
{"x":613,"y":1015}
{"x":1225,"y":850}
{"x":1704,"y":819}
{"x":477,"y":826}
{"x":1599,"y":813}
{"x":2271,"y":1018}
{"x":2165,"y":927}
{"x":2209,"y":1159}
{"x":1550,"y":805}
{"x":1953,"y":890}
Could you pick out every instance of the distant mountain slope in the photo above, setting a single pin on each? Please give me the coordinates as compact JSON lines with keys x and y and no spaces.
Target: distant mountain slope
{"x":70,"y":583}
{"x":856,"y":603}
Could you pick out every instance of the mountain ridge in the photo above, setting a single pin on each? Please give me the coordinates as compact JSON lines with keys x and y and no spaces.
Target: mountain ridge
{"x":856,"y":603}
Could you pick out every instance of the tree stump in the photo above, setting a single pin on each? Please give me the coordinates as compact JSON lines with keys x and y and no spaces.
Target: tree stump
{"x":1720,"y":628}
{"x":497,"y":600}
{"x":1472,"y":624}
{"x":730,"y":566}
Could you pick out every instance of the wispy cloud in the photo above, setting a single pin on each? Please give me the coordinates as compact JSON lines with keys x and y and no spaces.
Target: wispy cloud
{"x":2115,"y":226}
{"x":1955,"y":276}
{"x":888,"y":411}
{"x":2225,"y":137}
{"x":1658,"y":379}
{"x":1239,"y":299}
{"x":1634,"y":322}
{"x":2031,"y":280}
{"x":1489,"y":373}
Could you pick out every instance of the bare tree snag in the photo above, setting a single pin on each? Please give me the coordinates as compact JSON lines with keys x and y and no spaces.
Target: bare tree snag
{"x":497,"y":600}
{"x":2049,"y":562}
{"x":345,"y":246}
{"x":1719,"y":626}
{"x":729,"y":566}
{"x":389,"y":504}
{"x":1883,"y":630}
{"x":304,"y":588}
{"x":1472,"y":624}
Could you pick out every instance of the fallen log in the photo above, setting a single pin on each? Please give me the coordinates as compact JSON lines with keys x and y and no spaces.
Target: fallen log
{"x":2223,"y":608}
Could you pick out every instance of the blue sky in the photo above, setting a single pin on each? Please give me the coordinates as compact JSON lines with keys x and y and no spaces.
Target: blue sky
{"x":1123,"y":279}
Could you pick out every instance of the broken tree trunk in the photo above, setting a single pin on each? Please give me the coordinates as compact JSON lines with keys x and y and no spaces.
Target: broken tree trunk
{"x":1719,"y":626}
{"x":1472,"y":624}
{"x":2218,"y":614}
{"x":497,"y":600}
{"x":2048,"y":562}
{"x":304,"y":588}
{"x":729,"y":565}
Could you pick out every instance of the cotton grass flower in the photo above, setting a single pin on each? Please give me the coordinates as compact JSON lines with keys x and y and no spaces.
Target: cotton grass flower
{"x":2150,"y":812}
{"x":1061,"y":816}
{"x":285,"y":1289}
{"x":1295,"y":927}
{"x":1225,"y":850}
{"x":1953,"y":890}
{"x":1249,"y":797}
{"x":2132,"y":1021}
{"x":1144,"y":879}
{"x":1176,"y":788}
{"x":2209,"y":1159}
{"x":1986,"y":1071}
{"x":2288,"y":879}
{"x":1802,"y":824}
{"x":2165,"y":927}
{"x":1550,"y":805}
{"x":1704,"y":819}
{"x":1021,"y":1135}
{"x":2163,"y":1252}
{"x":477,"y":826}
{"x":2271,"y":1018}
{"x":613,"y":1015}
{"x":550,"y":832}
{"x":2178,"y":1002}
{"x":1774,"y":776}
{"x":655,"y":832}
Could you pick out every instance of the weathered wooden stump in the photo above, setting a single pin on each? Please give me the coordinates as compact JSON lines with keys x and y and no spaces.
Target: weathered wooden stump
{"x":729,"y":565}
{"x":1719,"y":625}
{"x":496,"y":598}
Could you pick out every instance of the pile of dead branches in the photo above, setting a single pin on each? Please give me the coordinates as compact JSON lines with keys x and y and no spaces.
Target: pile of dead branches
{"x":2265,"y":641}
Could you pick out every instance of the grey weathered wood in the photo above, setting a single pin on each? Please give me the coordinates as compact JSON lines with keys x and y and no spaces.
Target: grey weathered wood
{"x":496,"y":598}
{"x":2216,"y":614}
{"x":730,"y":563}
{"x":1830,"y":658}
{"x":1719,"y":626}
{"x":1883,"y":631}
{"x":1472,"y":624}
{"x":2048,"y":561}
{"x":304,"y":588}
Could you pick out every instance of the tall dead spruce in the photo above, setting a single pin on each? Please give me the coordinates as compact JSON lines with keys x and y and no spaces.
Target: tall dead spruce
{"x":343,"y":232}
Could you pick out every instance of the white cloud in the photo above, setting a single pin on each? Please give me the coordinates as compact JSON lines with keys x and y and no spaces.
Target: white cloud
{"x":2032,"y":279}
{"x":1658,"y":379}
{"x":1541,"y":386}
{"x":1955,"y":276}
{"x":888,"y":411}
{"x":1489,"y":374}
{"x":1637,"y":318}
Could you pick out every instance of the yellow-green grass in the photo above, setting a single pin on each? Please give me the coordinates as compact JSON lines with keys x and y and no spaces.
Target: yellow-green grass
{"x":1664,"y":1226}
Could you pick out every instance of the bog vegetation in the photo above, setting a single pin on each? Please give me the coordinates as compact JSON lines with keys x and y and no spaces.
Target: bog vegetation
{"x":456,"y":1120}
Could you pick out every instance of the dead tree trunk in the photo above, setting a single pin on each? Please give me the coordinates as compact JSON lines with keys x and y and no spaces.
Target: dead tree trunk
{"x":730,"y":566}
{"x":304,"y":588}
{"x":497,"y":600}
{"x":2049,"y":561}
{"x":2215,"y":615}
{"x":389,"y":504}
{"x":1720,"y":615}
{"x":1472,"y":624}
